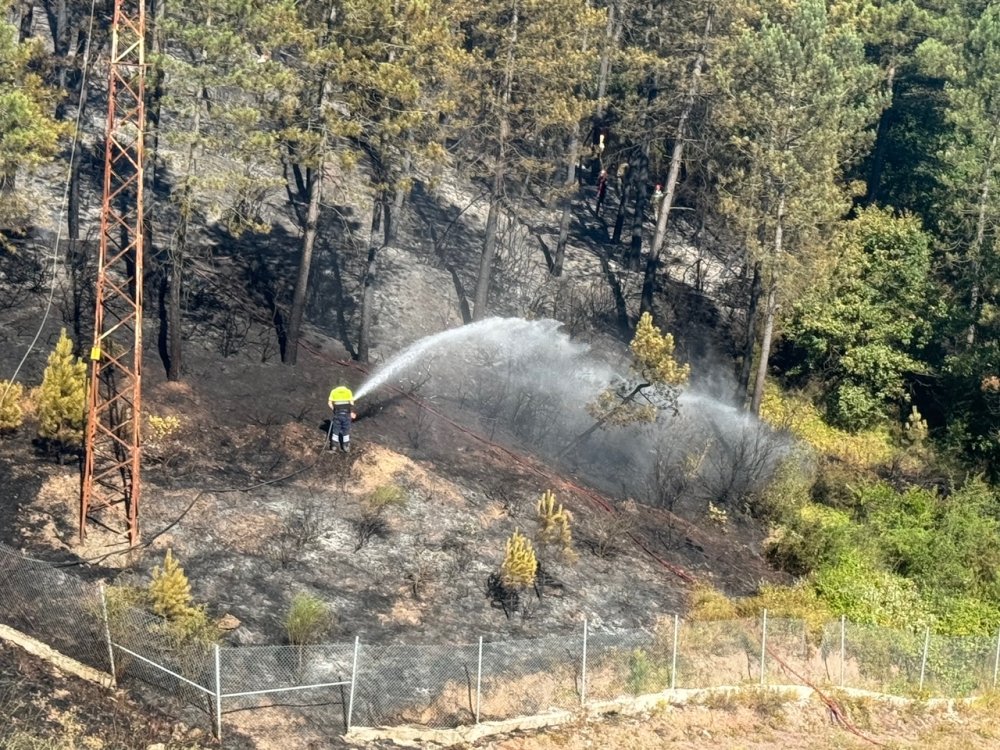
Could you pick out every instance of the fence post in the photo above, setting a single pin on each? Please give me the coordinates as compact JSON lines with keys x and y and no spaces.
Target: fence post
{"x":111,"y":649}
{"x":218,"y":696}
{"x":479,"y":679}
{"x":354,"y":680}
{"x":583,"y":668}
{"x":673,"y":657}
{"x":843,"y":649}
{"x":763,"y":646}
{"x":996,"y":662}
{"x":923,"y":661}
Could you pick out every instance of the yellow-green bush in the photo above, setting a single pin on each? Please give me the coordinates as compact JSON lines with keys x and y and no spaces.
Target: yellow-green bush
{"x":865,"y":593}
{"x":809,"y":538}
{"x":170,"y":590}
{"x":519,"y":566}
{"x":161,"y":428}
{"x":797,"y":414}
{"x":554,"y":525}
{"x":62,"y":397}
{"x":308,"y":619}
{"x":798,"y":602}
{"x":706,"y":604}
{"x":11,"y":415}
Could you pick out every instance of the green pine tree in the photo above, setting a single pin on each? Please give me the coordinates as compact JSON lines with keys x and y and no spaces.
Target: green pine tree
{"x":29,"y":134}
{"x":10,"y":405}
{"x":519,"y":566}
{"x":62,"y":396}
{"x":170,"y":590}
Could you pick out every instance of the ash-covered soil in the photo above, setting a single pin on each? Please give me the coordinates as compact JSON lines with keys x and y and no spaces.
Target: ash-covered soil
{"x":257,"y":511}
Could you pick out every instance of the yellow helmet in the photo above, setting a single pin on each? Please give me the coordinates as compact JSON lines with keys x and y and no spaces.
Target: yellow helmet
{"x":341,"y":394}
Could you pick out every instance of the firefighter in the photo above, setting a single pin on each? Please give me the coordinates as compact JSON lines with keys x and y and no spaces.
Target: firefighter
{"x":602,"y":190}
{"x":341,"y":401}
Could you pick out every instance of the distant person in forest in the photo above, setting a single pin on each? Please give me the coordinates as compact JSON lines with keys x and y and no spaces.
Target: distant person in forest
{"x":602,"y":190}
{"x":657,"y":202}
{"x":341,"y":401}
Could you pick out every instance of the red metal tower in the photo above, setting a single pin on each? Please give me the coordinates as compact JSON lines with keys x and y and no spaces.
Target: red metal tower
{"x":111,"y":465}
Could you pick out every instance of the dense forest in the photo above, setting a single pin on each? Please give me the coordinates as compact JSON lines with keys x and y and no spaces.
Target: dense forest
{"x":840,"y":159}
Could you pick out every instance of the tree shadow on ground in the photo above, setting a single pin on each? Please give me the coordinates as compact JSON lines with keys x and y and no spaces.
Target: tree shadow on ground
{"x":451,"y":238}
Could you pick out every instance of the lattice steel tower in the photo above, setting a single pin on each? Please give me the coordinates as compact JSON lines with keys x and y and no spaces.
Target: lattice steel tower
{"x":111,"y":479}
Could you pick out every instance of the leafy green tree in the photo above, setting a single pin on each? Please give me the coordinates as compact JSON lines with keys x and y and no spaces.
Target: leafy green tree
{"x":29,"y":134}
{"x":62,"y":396}
{"x":862,"y":328}
{"x":797,"y":96}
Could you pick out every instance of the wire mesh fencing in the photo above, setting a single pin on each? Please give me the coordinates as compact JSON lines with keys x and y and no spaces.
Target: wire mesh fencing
{"x":303,"y":695}
{"x":52,"y":606}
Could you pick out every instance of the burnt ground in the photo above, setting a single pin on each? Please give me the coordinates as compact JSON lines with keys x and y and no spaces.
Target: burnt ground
{"x":256,"y":511}
{"x":40,"y":706}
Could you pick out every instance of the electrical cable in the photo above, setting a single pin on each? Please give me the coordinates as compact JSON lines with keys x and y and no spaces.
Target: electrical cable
{"x":62,"y":209}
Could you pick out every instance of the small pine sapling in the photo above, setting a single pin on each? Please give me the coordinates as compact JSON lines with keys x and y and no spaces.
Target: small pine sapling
{"x":187,"y":625}
{"x":519,"y":566}
{"x":11,"y":415}
{"x":554,"y":525}
{"x":654,"y":386}
{"x":62,"y":397}
{"x":170,"y":590}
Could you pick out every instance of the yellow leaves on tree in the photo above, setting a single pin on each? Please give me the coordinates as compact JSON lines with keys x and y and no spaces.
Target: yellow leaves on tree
{"x":519,"y":566}
{"x":62,"y":396}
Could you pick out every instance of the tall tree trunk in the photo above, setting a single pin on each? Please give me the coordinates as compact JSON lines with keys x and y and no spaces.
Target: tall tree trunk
{"x":379,"y":206}
{"x":175,"y":341}
{"x":743,"y":380}
{"x":314,"y":189}
{"x":881,"y":138}
{"x":569,"y":188}
{"x":626,"y":189}
{"x":673,"y":175}
{"x":177,"y":254}
{"x":771,"y":310}
{"x":399,"y":197}
{"x":22,"y":18}
{"x":489,"y":249}
{"x":640,"y":180}
{"x":765,"y":350}
{"x":975,"y":250}
{"x":496,"y":194}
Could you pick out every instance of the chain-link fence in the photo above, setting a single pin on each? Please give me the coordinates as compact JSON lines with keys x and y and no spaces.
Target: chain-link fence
{"x":281,"y":696}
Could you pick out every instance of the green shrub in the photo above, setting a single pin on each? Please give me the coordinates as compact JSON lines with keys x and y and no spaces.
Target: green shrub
{"x":384,"y":497}
{"x":810,"y":539}
{"x":645,"y":675}
{"x":308,"y":620}
{"x":865,"y":593}
{"x":798,"y":602}
{"x":62,"y":396}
